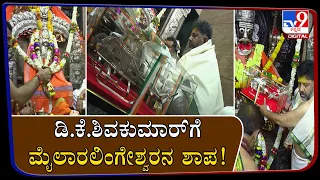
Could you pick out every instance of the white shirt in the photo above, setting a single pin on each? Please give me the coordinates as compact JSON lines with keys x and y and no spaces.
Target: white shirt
{"x":77,"y":92}
{"x":202,"y":65}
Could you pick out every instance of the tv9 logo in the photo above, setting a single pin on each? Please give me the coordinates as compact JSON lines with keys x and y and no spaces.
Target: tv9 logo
{"x":295,"y":23}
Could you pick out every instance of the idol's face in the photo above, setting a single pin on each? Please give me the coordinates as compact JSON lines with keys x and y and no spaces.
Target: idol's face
{"x":244,"y":32}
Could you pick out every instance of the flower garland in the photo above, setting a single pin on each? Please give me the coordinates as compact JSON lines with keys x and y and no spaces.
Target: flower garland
{"x":274,"y":54}
{"x":261,"y":151}
{"x":156,"y":21}
{"x":35,"y":56}
{"x":254,"y":61}
{"x":49,"y":22}
{"x":49,"y":25}
{"x":53,"y":52}
{"x":39,"y":18}
{"x":294,"y":65}
{"x":55,"y":67}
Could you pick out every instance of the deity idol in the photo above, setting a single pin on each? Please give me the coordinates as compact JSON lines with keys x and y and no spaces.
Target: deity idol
{"x":248,"y":52}
{"x":44,"y":26}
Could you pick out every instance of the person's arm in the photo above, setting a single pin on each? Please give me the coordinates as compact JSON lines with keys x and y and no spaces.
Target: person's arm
{"x":247,"y":161}
{"x":289,"y":119}
{"x":24,"y":93}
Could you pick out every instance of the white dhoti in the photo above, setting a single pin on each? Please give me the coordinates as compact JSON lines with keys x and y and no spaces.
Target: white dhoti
{"x":296,"y":101}
{"x":202,"y":65}
{"x":303,"y":136}
{"x":298,"y":162}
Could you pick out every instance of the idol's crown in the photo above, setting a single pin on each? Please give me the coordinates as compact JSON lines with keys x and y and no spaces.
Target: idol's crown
{"x":245,"y":16}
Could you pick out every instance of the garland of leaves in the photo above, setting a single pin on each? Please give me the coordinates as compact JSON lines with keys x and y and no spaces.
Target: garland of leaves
{"x":254,"y":61}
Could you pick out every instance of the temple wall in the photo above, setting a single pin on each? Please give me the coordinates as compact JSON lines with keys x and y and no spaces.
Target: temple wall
{"x":222,"y":37}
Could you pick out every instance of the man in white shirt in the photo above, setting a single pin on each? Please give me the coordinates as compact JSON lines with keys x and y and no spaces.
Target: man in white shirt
{"x":202,"y":65}
{"x":79,"y":96}
{"x":304,"y":91}
{"x":305,"y":74}
{"x":301,"y":119}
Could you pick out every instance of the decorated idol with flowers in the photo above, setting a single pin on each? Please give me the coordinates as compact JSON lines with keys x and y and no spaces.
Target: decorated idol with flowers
{"x":47,"y":27}
{"x":248,"y":52}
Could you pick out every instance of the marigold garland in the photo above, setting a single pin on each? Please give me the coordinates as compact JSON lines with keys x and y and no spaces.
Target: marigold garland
{"x":256,"y":61}
{"x":49,"y":24}
{"x":240,"y":67}
{"x":38,"y":18}
{"x":274,"y":54}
